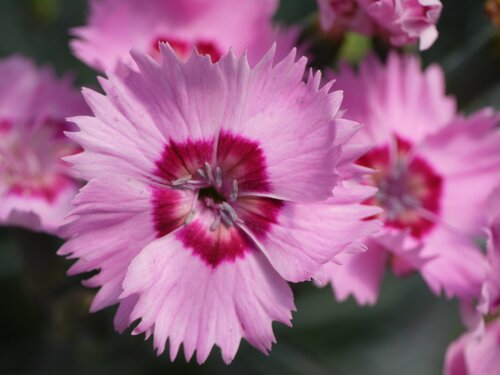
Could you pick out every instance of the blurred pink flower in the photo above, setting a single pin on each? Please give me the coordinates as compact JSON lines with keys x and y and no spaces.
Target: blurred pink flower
{"x":402,"y":21}
{"x":345,"y":14}
{"x":475,"y":355}
{"x":434,"y":171}
{"x":210,"y":186}
{"x":211,"y":26}
{"x":490,"y":302}
{"x":477,"y":352}
{"x":35,"y":185}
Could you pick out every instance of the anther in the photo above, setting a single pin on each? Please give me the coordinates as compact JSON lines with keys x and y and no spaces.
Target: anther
{"x":208,"y":172}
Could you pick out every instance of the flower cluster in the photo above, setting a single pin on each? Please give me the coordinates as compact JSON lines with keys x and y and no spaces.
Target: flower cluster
{"x":216,"y":167}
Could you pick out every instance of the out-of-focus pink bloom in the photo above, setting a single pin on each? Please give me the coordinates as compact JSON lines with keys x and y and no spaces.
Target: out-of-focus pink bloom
{"x":35,"y":185}
{"x":345,"y":14}
{"x":210,"y":186}
{"x":402,"y":21}
{"x":475,"y":355}
{"x":490,"y":302}
{"x":477,"y":352}
{"x":211,"y":27}
{"x":434,"y":171}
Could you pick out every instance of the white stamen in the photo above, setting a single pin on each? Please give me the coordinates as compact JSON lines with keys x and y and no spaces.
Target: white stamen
{"x":218,"y":177}
{"x":181,"y":181}
{"x":208,"y":172}
{"x":202,"y":174}
{"x":234,"y":192}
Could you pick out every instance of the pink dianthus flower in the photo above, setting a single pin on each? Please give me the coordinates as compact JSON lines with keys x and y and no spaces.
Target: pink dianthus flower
{"x":434,"y":170}
{"x":210,"y":26}
{"x":401,"y":21}
{"x":210,"y":186}
{"x":36,"y":186}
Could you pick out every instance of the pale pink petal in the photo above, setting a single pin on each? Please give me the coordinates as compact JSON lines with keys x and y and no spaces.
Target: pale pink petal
{"x":111,"y":223}
{"x":267,"y":115}
{"x":296,"y":244}
{"x":36,"y":213}
{"x":483,"y":354}
{"x":455,"y":363}
{"x":191,"y":303}
{"x":475,"y":355}
{"x":397,"y":98}
{"x":35,"y":94}
{"x":458,"y":268}
{"x":491,"y":288}
{"x":467,"y":153}
{"x":359,"y":275}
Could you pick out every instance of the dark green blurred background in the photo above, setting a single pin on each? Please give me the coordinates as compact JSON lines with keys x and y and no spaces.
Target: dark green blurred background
{"x":44,"y":324}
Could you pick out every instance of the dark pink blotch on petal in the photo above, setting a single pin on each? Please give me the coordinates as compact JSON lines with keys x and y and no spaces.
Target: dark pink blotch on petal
{"x":183,"y":48}
{"x":168,"y":211}
{"x":5,"y":125}
{"x":217,"y":246}
{"x":181,"y":159}
{"x":209,"y":49}
{"x":259,"y":213}
{"x":48,"y":191}
{"x":243,"y":160}
{"x":180,"y":47}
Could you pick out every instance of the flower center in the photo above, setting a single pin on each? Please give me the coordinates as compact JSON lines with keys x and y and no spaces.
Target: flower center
{"x":209,"y":184}
{"x":215,"y":199}
{"x":183,"y":48}
{"x":409,"y":189}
